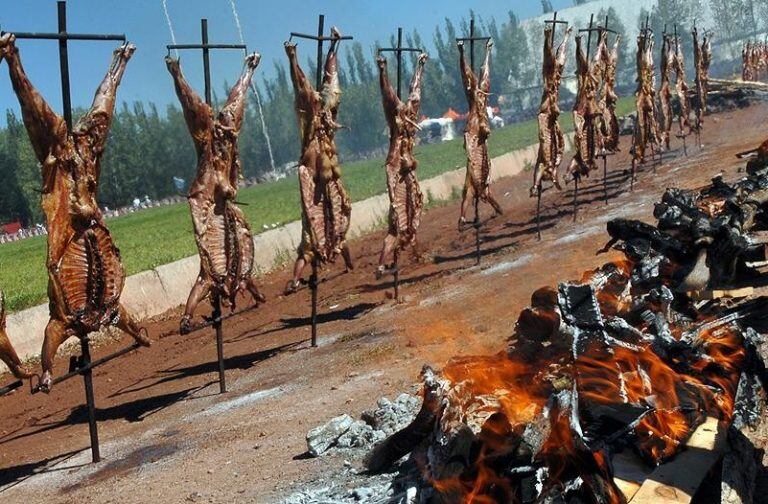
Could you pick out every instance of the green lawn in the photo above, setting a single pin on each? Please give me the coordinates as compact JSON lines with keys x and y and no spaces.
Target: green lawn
{"x":155,"y":237}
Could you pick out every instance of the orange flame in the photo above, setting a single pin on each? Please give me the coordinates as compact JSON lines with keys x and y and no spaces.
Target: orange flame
{"x":503,"y":393}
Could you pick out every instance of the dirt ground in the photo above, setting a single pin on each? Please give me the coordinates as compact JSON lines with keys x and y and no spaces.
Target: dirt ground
{"x":168,"y":436}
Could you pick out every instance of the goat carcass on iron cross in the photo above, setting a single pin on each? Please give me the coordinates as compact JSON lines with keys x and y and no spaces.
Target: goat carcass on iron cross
{"x":223,"y":236}
{"x":85,"y":272}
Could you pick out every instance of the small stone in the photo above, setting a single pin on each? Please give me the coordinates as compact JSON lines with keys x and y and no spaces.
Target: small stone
{"x":321,"y":438}
{"x":194,"y":497}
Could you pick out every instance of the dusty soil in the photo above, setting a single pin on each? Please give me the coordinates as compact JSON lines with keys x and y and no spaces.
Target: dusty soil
{"x":168,"y":436}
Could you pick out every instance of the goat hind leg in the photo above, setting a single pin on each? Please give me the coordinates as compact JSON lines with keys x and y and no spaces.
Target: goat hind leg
{"x":125,"y":322}
{"x":55,"y":334}
{"x":9,"y":357}
{"x":199,"y":291}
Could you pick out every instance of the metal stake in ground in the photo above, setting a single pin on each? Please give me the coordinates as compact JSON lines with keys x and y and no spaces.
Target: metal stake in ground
{"x":554,"y":22}
{"x":206,"y":46}
{"x":320,"y":39}
{"x":590,"y":122}
{"x":398,"y":50}
{"x":644,"y":33}
{"x":63,"y":37}
{"x":680,"y":134}
{"x":538,"y":212}
{"x":604,"y":154}
{"x":471,"y":39}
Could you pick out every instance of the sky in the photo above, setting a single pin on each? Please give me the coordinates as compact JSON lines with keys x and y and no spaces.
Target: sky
{"x":266,"y":25}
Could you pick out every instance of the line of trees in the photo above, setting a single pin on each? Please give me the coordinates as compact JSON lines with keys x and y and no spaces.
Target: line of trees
{"x":148,"y":147}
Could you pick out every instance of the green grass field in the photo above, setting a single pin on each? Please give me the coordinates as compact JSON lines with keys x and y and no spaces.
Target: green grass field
{"x":155,"y":237}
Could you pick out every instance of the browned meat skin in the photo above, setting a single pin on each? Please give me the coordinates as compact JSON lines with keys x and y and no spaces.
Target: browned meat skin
{"x":665,"y":92}
{"x":224,"y":240}
{"x":586,"y":114}
{"x":609,"y":127}
{"x":476,"y":133}
{"x":551,"y":141}
{"x":754,"y":60}
{"x":646,"y":130}
{"x":7,"y":353}
{"x":326,"y":206}
{"x":84,"y":268}
{"x":698,"y":65}
{"x":681,"y":86}
{"x":747,"y":62}
{"x":405,"y":198}
{"x":706,"y":63}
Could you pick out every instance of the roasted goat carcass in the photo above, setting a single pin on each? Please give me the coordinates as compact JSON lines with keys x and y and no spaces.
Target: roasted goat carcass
{"x":85,"y":273}
{"x":665,"y":92}
{"x":754,"y":59}
{"x":325,"y":205}
{"x":223,"y":236}
{"x":746,"y":62}
{"x":681,"y":86}
{"x":586,"y":115}
{"x":405,"y":198}
{"x":608,"y":97}
{"x":477,"y":183}
{"x":706,"y":63}
{"x":646,"y":127}
{"x":551,"y":140}
{"x":698,"y":65}
{"x":7,"y":353}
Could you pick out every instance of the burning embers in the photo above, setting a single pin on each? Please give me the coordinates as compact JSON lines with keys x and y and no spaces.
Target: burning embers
{"x":628,"y":358}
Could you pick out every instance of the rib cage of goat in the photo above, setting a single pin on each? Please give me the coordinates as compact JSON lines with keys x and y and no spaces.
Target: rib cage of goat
{"x":631,"y":358}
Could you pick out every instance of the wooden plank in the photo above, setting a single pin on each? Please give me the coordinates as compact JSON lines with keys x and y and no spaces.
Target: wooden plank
{"x":722,"y":293}
{"x":677,"y":480}
{"x":629,"y":473}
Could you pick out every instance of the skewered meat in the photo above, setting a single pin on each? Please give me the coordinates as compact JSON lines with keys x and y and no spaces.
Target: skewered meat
{"x":7,"y":353}
{"x":223,"y":236}
{"x":754,"y":59}
{"x":85,"y":273}
{"x":646,"y":128}
{"x":758,"y":158}
{"x":746,"y":62}
{"x":665,"y":92}
{"x":405,"y":198}
{"x":551,"y":140}
{"x":476,"y":133}
{"x":586,"y":114}
{"x":325,"y":204}
{"x":698,"y":65}
{"x":706,"y":63}
{"x":681,"y":86}
{"x":608,"y":96}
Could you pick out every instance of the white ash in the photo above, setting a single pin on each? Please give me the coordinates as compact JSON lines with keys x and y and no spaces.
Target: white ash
{"x":391,"y":416}
{"x":345,"y":433}
{"x":350,"y":487}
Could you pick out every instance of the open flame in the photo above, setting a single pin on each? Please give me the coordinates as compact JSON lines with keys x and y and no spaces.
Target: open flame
{"x":667,"y":395}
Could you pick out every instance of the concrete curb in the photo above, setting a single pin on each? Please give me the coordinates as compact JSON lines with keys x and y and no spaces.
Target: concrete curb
{"x":166,"y":287}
